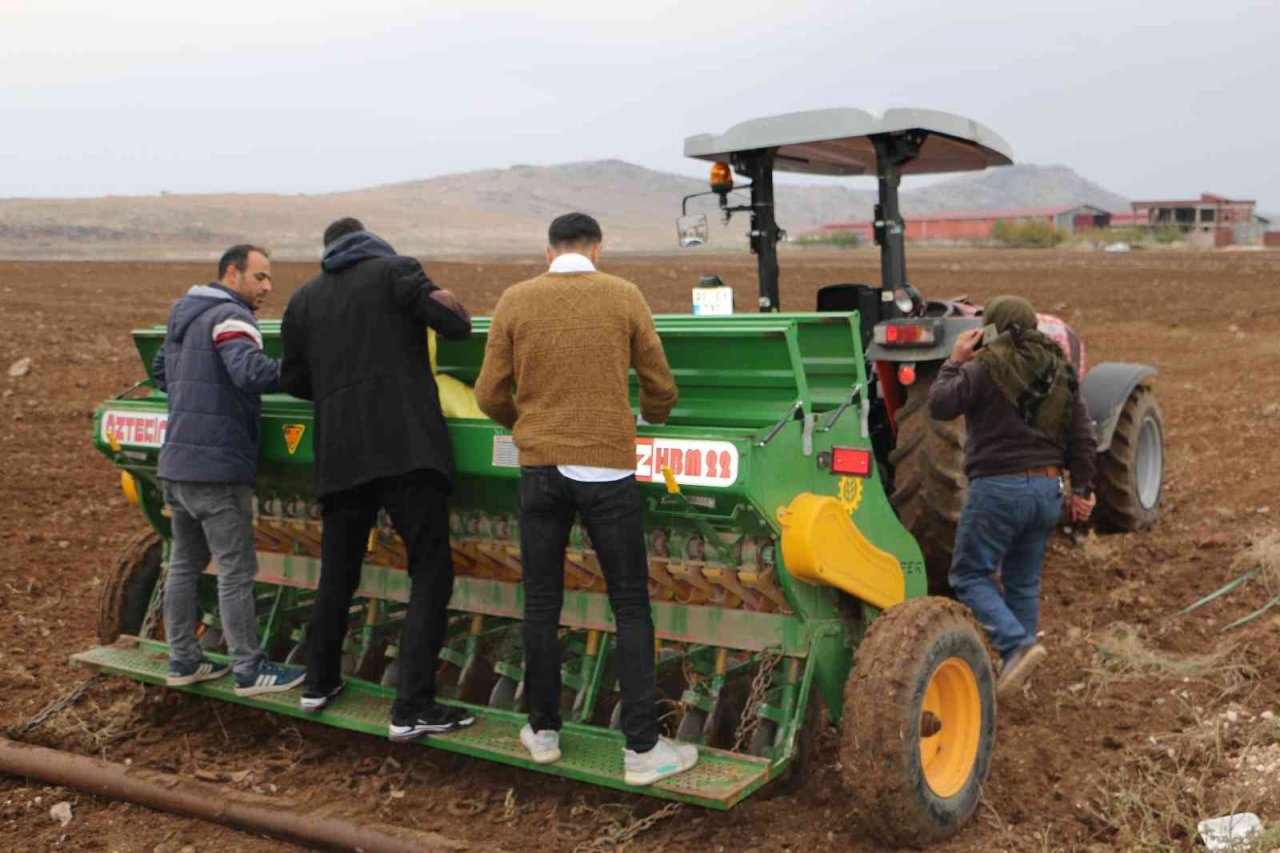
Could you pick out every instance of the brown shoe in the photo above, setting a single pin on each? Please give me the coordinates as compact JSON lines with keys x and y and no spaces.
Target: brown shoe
{"x":1015,"y":671}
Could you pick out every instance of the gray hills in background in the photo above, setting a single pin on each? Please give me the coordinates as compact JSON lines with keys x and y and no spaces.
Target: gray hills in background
{"x":494,"y":211}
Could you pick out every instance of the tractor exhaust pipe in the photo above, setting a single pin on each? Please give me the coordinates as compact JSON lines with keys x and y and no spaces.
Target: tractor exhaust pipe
{"x":168,"y":793}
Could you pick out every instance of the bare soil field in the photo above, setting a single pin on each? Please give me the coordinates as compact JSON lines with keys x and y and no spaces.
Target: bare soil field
{"x":1141,"y":722}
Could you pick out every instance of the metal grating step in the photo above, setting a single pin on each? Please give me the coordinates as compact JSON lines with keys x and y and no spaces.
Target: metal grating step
{"x":590,"y":754}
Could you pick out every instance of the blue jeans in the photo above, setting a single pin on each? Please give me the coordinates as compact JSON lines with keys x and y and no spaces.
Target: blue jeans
{"x":1005,"y":526}
{"x":212,"y":520}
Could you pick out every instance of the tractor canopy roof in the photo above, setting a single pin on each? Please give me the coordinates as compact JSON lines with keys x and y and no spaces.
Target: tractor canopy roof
{"x":837,"y":141}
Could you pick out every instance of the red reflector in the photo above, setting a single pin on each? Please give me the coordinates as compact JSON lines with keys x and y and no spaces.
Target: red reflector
{"x":851,"y":461}
{"x":907,"y":374}
{"x":912,"y":333}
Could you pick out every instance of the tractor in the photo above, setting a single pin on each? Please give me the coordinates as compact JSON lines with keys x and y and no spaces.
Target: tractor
{"x":788,"y":590}
{"x":906,"y":336}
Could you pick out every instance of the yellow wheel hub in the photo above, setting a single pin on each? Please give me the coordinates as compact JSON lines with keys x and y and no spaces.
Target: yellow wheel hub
{"x":950,"y":727}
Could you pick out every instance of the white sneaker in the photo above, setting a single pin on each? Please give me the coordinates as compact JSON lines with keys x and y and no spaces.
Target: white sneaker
{"x":544,"y":746}
{"x":667,"y":758}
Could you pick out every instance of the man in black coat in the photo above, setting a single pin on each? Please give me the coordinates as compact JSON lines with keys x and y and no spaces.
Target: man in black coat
{"x":355,"y":342}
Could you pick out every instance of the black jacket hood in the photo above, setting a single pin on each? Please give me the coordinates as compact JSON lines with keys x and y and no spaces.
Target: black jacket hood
{"x":352,"y":249}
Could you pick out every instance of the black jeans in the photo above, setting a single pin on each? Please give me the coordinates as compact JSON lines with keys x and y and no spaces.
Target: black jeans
{"x":613,"y":514}
{"x":418,"y":503}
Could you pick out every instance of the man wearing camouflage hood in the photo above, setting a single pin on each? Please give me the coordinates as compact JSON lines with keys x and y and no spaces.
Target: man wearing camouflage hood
{"x":1019,"y":394}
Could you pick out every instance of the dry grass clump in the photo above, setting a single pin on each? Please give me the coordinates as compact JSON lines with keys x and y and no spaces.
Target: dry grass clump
{"x":1226,"y":761}
{"x":96,"y":721}
{"x":1156,"y":799}
{"x":1125,"y":654}
{"x":1264,"y":553}
{"x":1267,"y":841}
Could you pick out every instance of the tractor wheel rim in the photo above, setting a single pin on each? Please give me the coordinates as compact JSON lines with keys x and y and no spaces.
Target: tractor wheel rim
{"x":950,"y":727}
{"x":1149,"y":463}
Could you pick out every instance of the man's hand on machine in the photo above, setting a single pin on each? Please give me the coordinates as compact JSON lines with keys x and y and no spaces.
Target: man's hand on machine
{"x":448,"y":300}
{"x":1082,"y":506}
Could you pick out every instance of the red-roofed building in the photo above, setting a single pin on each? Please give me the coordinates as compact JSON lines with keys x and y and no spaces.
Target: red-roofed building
{"x":1137,"y":219}
{"x":962,"y":225}
{"x":1211,"y":220}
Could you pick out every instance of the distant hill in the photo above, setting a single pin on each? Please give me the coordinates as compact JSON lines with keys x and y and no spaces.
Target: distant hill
{"x":1013,"y":186}
{"x":489,"y":211}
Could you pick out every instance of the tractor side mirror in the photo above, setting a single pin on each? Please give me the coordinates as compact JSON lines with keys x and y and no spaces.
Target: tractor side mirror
{"x":692,"y":230}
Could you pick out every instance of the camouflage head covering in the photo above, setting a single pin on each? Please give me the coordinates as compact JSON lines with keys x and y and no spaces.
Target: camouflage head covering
{"x":1032,"y":371}
{"x":1004,"y":311}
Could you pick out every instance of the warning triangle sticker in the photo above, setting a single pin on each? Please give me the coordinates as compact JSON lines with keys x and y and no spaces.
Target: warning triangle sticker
{"x":293,"y":436}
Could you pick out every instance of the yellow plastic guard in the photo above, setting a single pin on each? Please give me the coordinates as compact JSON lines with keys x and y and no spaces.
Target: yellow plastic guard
{"x":457,"y":399}
{"x":673,"y":488}
{"x":821,"y":544}
{"x":129,"y":486}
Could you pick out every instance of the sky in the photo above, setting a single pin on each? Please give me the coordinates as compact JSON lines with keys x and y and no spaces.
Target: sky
{"x":1156,"y":99}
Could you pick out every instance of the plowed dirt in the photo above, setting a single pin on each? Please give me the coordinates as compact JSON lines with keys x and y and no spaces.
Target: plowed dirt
{"x":1066,"y":749}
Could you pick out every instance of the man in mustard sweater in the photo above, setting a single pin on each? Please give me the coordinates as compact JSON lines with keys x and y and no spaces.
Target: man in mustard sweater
{"x":567,"y":340}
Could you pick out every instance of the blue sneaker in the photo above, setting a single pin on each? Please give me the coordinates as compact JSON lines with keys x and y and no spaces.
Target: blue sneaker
{"x":269,"y":678}
{"x":181,"y":674}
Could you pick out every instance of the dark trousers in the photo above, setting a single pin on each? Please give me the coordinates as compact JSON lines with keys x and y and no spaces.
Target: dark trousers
{"x":418,"y":505}
{"x":613,"y":514}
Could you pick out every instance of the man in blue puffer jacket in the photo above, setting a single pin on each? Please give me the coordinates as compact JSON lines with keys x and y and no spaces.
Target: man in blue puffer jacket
{"x":214,"y":370}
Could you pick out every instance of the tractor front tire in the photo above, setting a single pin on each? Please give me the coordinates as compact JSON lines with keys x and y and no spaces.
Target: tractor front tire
{"x":929,"y":482}
{"x":1131,"y":472}
{"x":920,"y":722}
{"x":126,"y":591}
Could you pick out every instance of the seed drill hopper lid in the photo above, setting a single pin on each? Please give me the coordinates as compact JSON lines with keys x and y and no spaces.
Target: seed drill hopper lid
{"x":837,"y":141}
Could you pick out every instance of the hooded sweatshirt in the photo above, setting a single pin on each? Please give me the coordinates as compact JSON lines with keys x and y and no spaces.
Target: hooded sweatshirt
{"x":1029,"y":367}
{"x":214,"y":370}
{"x":350,"y":250}
{"x":354,"y":341}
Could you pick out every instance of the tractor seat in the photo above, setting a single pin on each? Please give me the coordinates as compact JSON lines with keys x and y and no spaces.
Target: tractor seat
{"x":863,"y":298}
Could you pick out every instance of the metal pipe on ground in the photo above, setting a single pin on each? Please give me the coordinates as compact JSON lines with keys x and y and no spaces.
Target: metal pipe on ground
{"x":165,"y":792}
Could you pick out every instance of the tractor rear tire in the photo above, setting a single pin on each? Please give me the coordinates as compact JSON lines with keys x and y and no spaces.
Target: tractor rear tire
{"x":920,"y":722}
{"x":126,"y":591}
{"x":1131,"y":471}
{"x":929,"y":482}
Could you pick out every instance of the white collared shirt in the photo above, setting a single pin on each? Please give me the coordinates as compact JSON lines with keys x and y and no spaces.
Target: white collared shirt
{"x":573,"y":262}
